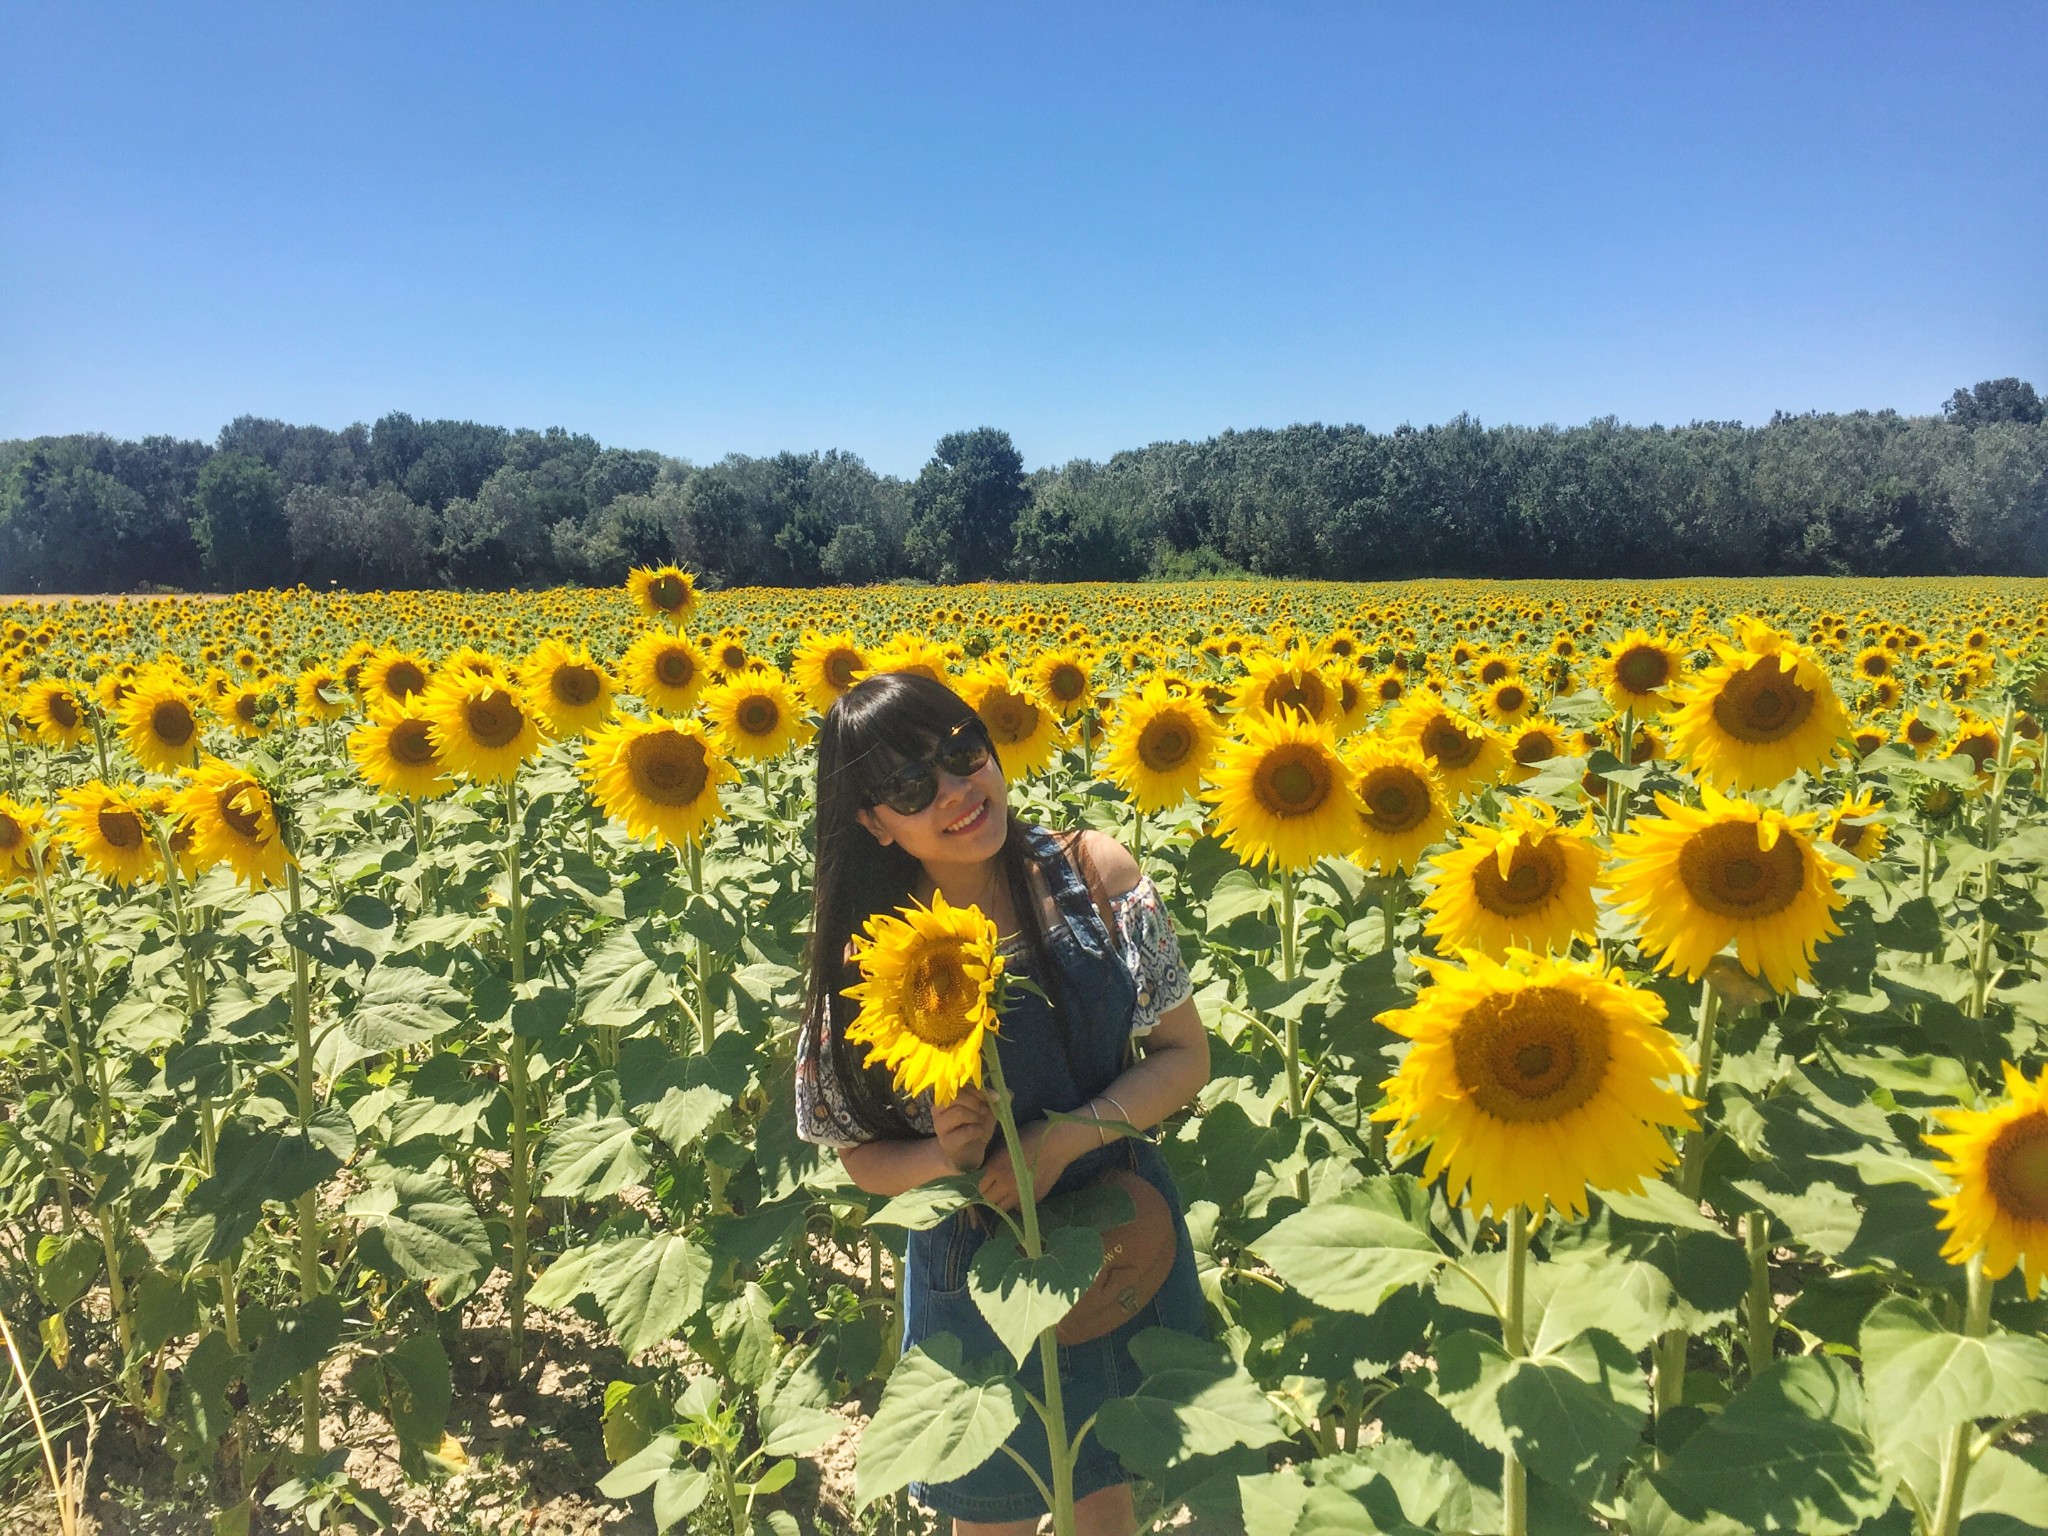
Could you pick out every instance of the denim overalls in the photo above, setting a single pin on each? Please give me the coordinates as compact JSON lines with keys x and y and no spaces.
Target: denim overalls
{"x":1097,"y":993}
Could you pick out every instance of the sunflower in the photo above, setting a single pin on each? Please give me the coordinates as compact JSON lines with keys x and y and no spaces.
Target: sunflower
{"x":161,"y":802}
{"x":160,"y":723}
{"x":104,"y":822}
{"x":321,"y":695}
{"x":1976,"y":739}
{"x":1855,"y":829}
{"x":1766,"y":710}
{"x":391,"y":676}
{"x":907,"y":652}
{"x":1867,"y":738}
{"x":1063,"y":676}
{"x":1291,"y":681}
{"x":19,"y":823}
{"x":244,"y":708}
{"x":664,"y":592}
{"x":1918,"y":733}
{"x":1508,"y":702}
{"x":1388,"y":687}
{"x":1639,"y":671}
{"x":1355,"y":700}
{"x":1281,"y":792}
{"x":1465,"y":754}
{"x":1728,"y":872}
{"x":394,"y":749}
{"x":1533,"y":744}
{"x":927,"y":996}
{"x":482,"y":726}
{"x":1534,"y":1081}
{"x":1019,"y":721}
{"x":1402,"y":804}
{"x":827,"y":665}
{"x":659,"y":777}
{"x":56,"y":712}
{"x":728,"y":653}
{"x":1998,"y":1158}
{"x":570,"y":691}
{"x":1160,"y":745}
{"x":666,"y":671}
{"x":234,"y":822}
{"x":1526,"y":884}
{"x":756,"y":715}
{"x":1493,"y":669}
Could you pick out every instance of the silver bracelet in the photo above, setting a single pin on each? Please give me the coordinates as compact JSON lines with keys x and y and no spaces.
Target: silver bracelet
{"x":1101,"y":1136}
{"x":1122,"y":1113}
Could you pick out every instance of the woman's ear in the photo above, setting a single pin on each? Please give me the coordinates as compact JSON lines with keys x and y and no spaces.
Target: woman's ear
{"x":873,"y":823}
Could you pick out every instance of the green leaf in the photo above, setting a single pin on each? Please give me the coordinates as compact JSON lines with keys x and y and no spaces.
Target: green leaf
{"x":1021,"y":1296}
{"x":1658,"y":1204}
{"x":253,"y":1164}
{"x":66,"y":1267}
{"x":1787,"y":1453}
{"x":1920,"y":1379}
{"x":203,"y":1388}
{"x":166,"y":1308}
{"x":643,"y":1469}
{"x":1238,"y":893}
{"x":421,"y":1226}
{"x":1572,"y":1415}
{"x":927,"y":1205}
{"x":678,"y":1495}
{"x":679,"y":1098}
{"x":1351,"y":1254}
{"x":648,"y":1287}
{"x":1195,"y":1401}
{"x":592,"y":1158}
{"x":937,"y":1420}
{"x":401,"y":1004}
{"x":302,"y":1337}
{"x":418,"y":1390}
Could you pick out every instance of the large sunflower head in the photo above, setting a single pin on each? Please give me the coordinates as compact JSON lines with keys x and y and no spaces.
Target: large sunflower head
{"x":1919,"y":733}
{"x":1728,"y":872}
{"x":1508,"y":702}
{"x":570,"y":691}
{"x":57,"y":712}
{"x":1065,"y":676}
{"x":1856,"y":826}
{"x":1281,"y":792}
{"x":659,"y":777}
{"x":234,"y":822}
{"x":483,"y":727}
{"x":394,"y":750}
{"x":1403,"y":807}
{"x":106,"y":825}
{"x":1465,"y":754}
{"x":321,"y":694}
{"x":1641,"y":671}
{"x":1021,"y":724}
{"x":20,"y":822}
{"x":1160,"y":744}
{"x":927,"y":995}
{"x":1356,"y":702}
{"x":756,"y":714}
{"x":1532,"y":1081}
{"x":246,"y":709}
{"x":1766,"y":710}
{"x":160,"y":722}
{"x":1531,"y":745}
{"x":667,"y":671}
{"x":665,"y":593}
{"x":391,"y":676}
{"x":827,"y":665}
{"x":1291,"y":681}
{"x":1525,"y":884}
{"x":1998,"y":1160}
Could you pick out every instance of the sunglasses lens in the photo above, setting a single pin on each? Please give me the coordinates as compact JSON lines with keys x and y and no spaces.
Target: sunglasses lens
{"x":911,"y":788}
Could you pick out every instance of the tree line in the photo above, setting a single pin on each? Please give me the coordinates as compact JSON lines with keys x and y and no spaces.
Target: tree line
{"x":410,"y":503}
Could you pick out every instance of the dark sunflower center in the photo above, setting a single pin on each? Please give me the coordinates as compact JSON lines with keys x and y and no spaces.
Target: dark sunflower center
{"x":1510,"y":700}
{"x":668,"y":767}
{"x":1534,"y":874}
{"x":1396,"y":799}
{"x":172,"y":723}
{"x":1535,"y":747}
{"x":576,"y":684}
{"x":1980,"y":748}
{"x":938,"y":996}
{"x":1725,"y":870}
{"x":758,"y":716}
{"x":402,"y":680}
{"x":494,"y":719}
{"x":1642,"y":669}
{"x":1533,"y":1055}
{"x":674,"y":669}
{"x":2017,"y":1167}
{"x":62,"y":712}
{"x":1292,"y":781}
{"x":1877,"y":665}
{"x":1068,"y":682}
{"x":1919,"y":732}
{"x":1165,"y":743}
{"x":121,"y":828}
{"x":733,"y":658}
{"x":667,"y":593}
{"x":1762,"y":703}
{"x":411,"y":743}
{"x":1492,"y":671}
{"x":236,"y":809}
{"x":1390,"y":689}
{"x":1302,"y":691}
{"x":840,"y":667}
{"x":1443,"y":742}
{"x":245,"y":708}
{"x":12,"y":834}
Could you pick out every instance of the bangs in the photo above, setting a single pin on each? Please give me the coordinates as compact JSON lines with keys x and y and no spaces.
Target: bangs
{"x":884,"y":721}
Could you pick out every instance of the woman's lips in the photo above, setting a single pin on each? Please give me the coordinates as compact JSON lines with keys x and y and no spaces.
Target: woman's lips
{"x":969,"y":822}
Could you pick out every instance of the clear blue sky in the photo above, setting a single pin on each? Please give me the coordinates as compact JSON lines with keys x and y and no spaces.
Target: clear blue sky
{"x":744,"y":228}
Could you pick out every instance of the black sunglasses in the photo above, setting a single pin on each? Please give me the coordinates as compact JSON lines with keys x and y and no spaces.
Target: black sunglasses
{"x":913,"y":785}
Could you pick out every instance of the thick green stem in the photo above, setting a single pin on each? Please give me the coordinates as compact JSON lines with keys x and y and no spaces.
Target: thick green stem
{"x":1289,"y":960}
{"x":309,"y":1202}
{"x":1390,"y":910}
{"x":1514,"y":1477}
{"x":1670,"y":1349}
{"x":516,"y":1061}
{"x":1760,"y":1328}
{"x":1955,"y":1458}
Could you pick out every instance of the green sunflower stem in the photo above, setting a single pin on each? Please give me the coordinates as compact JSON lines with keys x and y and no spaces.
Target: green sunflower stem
{"x":309,"y":1202}
{"x":1289,"y":961}
{"x":520,"y":1177}
{"x":1956,"y":1459}
{"x":1668,"y":1353}
{"x":1981,"y":953}
{"x":1514,"y":1477}
{"x":1390,"y":909}
{"x":1053,"y":1409}
{"x":1760,"y":1328}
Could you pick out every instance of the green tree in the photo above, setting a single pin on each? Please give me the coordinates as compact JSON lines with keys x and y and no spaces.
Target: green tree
{"x":1995,"y":400}
{"x":240,"y":524}
{"x":964,"y":507}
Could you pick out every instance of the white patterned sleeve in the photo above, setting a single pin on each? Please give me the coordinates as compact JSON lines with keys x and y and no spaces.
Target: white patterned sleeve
{"x":823,"y":1116}
{"x":1151,"y":951}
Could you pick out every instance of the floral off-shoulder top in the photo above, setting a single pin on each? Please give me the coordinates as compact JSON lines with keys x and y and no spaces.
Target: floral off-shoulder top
{"x":1145,"y":942}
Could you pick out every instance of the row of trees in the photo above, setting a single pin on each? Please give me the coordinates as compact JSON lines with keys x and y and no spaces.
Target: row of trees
{"x":408,"y":503}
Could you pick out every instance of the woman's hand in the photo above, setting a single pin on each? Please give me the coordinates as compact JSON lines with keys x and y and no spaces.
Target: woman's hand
{"x":964,"y":1128}
{"x":1049,"y":1154}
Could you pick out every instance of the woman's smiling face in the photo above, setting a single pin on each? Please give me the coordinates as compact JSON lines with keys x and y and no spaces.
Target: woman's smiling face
{"x":966,"y":823}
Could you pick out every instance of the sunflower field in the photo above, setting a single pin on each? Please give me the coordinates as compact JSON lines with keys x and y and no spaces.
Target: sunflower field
{"x":1628,"y":1009}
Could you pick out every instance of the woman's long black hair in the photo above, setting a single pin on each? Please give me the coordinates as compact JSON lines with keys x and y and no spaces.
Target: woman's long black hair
{"x":880,"y":722}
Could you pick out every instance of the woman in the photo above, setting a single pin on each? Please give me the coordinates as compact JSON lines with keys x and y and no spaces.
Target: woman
{"x":911,"y":801}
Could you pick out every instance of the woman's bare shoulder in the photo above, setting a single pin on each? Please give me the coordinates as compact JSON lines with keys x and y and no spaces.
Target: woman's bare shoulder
{"x":1111,"y":861}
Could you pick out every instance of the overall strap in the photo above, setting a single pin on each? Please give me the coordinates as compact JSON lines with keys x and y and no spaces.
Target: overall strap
{"x":1075,"y":885}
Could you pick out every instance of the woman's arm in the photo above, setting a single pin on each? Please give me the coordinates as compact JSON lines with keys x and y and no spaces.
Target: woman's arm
{"x":888,"y":1168}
